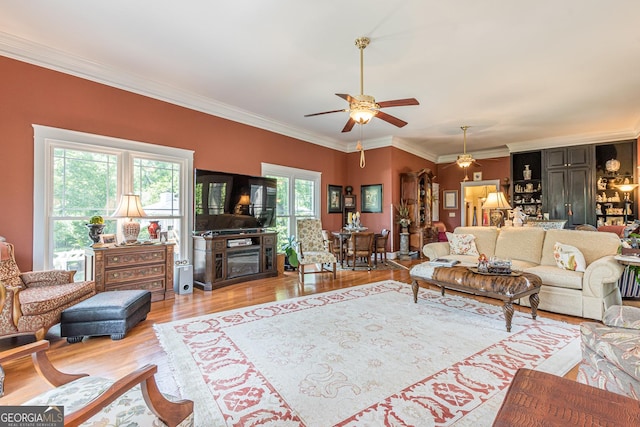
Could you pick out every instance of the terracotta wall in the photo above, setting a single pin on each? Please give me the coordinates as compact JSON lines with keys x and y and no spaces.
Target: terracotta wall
{"x":34,"y":95}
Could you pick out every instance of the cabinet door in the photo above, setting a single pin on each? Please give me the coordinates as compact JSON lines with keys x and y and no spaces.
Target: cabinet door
{"x":579,"y":156}
{"x":555,"y":158}
{"x":556,"y":194}
{"x":579,"y":188}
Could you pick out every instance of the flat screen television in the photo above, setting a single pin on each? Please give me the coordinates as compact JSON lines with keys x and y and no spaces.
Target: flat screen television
{"x":227,"y":202}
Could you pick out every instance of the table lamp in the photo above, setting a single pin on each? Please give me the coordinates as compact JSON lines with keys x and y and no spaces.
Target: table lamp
{"x":129,"y":208}
{"x":626,"y":189}
{"x":498,"y":202}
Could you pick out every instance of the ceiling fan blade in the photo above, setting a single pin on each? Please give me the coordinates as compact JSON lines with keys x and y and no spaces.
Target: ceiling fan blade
{"x":477,"y":164}
{"x":398,"y":102}
{"x":347,"y":97}
{"x":391,"y":119}
{"x":350,"y":124}
{"x":325,"y":112}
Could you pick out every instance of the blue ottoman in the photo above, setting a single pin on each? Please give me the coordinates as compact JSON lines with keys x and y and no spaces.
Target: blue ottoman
{"x":106,"y":313}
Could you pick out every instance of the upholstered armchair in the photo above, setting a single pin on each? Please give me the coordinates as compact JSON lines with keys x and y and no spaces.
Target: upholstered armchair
{"x":133,"y":400}
{"x":611,"y":351}
{"x":312,"y":250}
{"x":30,"y":303}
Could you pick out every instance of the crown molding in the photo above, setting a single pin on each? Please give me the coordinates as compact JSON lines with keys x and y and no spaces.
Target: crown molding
{"x":567,"y":141}
{"x":57,"y":60}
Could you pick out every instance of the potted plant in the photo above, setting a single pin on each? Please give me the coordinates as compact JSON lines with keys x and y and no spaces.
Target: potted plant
{"x":291,"y":256}
{"x":96,"y":227}
{"x":403,"y":215}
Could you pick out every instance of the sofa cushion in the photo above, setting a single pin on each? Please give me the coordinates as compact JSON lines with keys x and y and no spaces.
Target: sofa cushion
{"x":569,"y":257}
{"x":38,"y":300}
{"x":554,"y":276}
{"x":522,"y":243}
{"x":592,"y":245}
{"x":485,"y":238}
{"x":462,"y":244}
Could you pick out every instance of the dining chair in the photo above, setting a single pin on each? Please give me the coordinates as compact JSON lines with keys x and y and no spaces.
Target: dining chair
{"x":380,"y":246}
{"x":360,"y":246}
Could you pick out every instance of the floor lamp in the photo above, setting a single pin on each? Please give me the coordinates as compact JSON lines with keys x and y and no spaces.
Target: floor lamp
{"x":496,"y":201}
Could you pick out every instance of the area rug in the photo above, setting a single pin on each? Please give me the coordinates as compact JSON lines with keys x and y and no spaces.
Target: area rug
{"x":362,"y":266}
{"x":360,"y":356}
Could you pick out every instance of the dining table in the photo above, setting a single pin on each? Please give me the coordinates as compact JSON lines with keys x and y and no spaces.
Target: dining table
{"x":344,"y":235}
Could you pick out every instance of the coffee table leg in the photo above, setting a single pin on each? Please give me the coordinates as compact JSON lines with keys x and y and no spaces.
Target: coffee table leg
{"x":507,"y":308}
{"x":414,"y":287}
{"x":534,"y":299}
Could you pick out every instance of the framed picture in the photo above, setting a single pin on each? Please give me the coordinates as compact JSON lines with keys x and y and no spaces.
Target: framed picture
{"x":477,"y":176}
{"x":371,"y":198}
{"x":350,"y":201}
{"x":108,"y":240}
{"x":334,"y":199}
{"x":450,"y":199}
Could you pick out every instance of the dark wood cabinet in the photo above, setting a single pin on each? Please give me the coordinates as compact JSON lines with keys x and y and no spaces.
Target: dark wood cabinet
{"x":416,"y":189}
{"x":615,"y":165}
{"x":221,"y":260}
{"x":143,"y":266}
{"x":567,"y":184}
{"x":526,"y":170}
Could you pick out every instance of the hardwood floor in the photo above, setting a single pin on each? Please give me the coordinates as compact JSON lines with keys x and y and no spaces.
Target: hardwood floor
{"x":104,"y":357}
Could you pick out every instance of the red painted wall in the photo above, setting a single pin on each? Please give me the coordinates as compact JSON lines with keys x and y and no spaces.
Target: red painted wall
{"x":35,"y":95}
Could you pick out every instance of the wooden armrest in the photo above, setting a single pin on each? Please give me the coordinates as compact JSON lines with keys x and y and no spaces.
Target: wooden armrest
{"x":23,"y":350}
{"x":171,"y":413}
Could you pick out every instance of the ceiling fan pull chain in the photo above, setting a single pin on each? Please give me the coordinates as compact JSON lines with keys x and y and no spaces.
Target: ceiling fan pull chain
{"x":362,"y":162}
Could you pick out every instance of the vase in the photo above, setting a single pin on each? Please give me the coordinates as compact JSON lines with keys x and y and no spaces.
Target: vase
{"x":153,"y":228}
{"x":526,"y":172}
{"x":95,"y":230}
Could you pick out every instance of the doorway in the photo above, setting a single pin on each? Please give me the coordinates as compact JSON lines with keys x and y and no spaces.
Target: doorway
{"x":474,"y":193}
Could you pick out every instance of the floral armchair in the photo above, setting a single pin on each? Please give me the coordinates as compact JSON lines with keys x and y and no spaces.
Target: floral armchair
{"x":30,"y":303}
{"x":312,"y":250}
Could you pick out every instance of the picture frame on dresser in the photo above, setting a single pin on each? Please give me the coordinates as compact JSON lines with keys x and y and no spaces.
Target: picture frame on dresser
{"x":108,"y":240}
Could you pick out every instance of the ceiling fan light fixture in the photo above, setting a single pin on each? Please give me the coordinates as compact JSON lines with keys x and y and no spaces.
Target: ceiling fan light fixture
{"x":464,"y":160}
{"x":361,"y":115}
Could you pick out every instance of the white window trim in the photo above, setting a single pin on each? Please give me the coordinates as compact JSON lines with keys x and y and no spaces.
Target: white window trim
{"x":295,"y":173}
{"x":43,"y":139}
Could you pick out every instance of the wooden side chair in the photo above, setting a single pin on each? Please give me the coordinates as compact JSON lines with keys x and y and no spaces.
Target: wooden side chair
{"x":132,"y":400}
{"x":311,"y":249}
{"x":380,"y":246}
{"x":360,"y":246}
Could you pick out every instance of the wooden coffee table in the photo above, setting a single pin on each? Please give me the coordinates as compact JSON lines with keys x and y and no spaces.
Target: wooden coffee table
{"x":539,"y":399}
{"x":507,"y":288}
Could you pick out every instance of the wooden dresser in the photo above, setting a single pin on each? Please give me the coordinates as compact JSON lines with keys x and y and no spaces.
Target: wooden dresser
{"x":147,"y":267}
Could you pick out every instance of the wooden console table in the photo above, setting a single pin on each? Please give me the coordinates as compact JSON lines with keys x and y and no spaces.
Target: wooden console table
{"x":141,"y":266}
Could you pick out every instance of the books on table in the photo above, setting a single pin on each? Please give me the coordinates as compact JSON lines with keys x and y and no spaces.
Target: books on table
{"x":443,"y":262}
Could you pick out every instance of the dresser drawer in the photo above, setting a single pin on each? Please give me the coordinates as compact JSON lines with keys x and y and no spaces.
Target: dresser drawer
{"x":123,"y":259}
{"x":156,"y":287}
{"x":134,"y":273}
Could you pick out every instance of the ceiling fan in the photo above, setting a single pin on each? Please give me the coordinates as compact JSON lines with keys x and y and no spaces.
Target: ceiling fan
{"x":362,"y":108}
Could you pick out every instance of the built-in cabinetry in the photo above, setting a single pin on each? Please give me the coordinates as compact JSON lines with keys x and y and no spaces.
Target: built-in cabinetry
{"x":224,"y":259}
{"x":417,"y":191}
{"x":568,"y":181}
{"x":143,"y":266}
{"x":614,"y":166}
{"x":527,"y":182}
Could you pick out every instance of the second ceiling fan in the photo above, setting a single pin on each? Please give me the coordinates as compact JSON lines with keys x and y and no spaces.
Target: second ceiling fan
{"x":362,"y":108}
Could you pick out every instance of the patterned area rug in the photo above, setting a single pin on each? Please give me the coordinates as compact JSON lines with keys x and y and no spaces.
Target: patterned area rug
{"x":362,"y":356}
{"x":362,"y":266}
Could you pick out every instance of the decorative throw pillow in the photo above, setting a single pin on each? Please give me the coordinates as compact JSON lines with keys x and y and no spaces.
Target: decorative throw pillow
{"x":462,"y":244}
{"x":569,"y":257}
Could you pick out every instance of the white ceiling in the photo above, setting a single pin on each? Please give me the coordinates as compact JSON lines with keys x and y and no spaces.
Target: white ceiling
{"x":523,"y":75}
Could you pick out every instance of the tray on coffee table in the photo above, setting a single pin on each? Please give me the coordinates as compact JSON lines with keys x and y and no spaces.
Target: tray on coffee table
{"x":512,"y":274}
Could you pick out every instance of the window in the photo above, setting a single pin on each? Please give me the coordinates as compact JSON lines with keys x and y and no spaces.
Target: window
{"x":79,"y":175}
{"x":298,"y":197}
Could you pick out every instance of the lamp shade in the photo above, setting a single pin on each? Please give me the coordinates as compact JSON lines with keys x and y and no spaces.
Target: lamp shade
{"x":626,"y":188}
{"x":244,"y":200}
{"x":496,"y":201}
{"x":129,"y":207}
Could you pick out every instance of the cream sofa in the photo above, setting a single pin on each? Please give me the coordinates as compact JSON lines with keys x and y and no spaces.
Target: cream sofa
{"x":585,"y":294}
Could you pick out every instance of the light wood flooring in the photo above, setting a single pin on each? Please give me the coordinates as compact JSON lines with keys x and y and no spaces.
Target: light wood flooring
{"x":104,"y":357}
